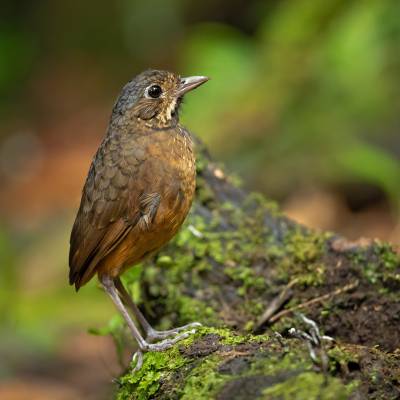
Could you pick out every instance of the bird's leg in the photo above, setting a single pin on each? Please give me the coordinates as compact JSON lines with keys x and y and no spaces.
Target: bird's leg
{"x":144,"y":346}
{"x":151,"y":333}
{"x":126,"y":298}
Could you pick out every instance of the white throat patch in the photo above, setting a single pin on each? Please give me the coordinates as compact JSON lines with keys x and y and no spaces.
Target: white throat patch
{"x":167,"y":115}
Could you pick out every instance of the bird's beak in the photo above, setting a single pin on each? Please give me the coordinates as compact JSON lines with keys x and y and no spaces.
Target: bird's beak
{"x":190,"y":83}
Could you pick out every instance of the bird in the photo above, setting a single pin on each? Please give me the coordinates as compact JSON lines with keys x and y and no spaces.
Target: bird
{"x":138,"y":192}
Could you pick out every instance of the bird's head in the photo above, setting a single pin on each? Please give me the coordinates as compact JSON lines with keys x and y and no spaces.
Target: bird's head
{"x":153,"y":97}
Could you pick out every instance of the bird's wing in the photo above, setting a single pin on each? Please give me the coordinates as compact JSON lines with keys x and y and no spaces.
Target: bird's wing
{"x":111,"y":205}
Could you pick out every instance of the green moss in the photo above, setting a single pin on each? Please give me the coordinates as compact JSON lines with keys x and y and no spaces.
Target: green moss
{"x":204,"y":194}
{"x":245,"y":275}
{"x":383,"y":264}
{"x":249,"y":326}
{"x":191,"y":310}
{"x":262,"y":204}
{"x":227,"y":337}
{"x":314,"y":276}
{"x":305,"y":247}
{"x":342,"y":355}
{"x":388,"y":257}
{"x":327,"y":308}
{"x":276,"y":363}
{"x":308,"y":386}
{"x":164,"y":261}
{"x":201,"y":163}
{"x":299,"y":257}
{"x":201,"y":382}
{"x":204,"y":381}
{"x":371,"y":273}
{"x":143,"y":384}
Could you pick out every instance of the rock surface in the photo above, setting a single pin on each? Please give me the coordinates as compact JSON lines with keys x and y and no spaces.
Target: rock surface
{"x":245,"y":271}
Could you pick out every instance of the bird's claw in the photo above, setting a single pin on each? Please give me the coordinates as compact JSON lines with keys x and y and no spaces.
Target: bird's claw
{"x":153,"y":334}
{"x":167,"y":343}
{"x":163,"y":345}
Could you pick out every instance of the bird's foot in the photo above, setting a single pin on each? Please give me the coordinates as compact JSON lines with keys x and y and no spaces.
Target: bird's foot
{"x":154,"y":334}
{"x":167,"y":343}
{"x":163,"y":345}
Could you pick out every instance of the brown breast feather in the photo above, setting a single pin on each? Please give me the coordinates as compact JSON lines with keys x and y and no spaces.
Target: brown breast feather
{"x":123,"y":190}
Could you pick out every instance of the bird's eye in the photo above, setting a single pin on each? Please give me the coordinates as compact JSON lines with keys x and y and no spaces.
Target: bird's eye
{"x":153,"y":91}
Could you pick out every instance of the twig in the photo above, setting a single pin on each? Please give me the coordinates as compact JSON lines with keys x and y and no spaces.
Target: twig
{"x":275,"y":305}
{"x":308,"y":303}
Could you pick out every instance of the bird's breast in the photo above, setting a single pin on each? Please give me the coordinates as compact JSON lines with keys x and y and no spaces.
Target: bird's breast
{"x":162,"y":189}
{"x":177,"y":186}
{"x":168,"y":172}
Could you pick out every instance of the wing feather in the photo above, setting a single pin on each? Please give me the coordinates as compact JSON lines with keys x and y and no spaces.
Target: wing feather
{"x":109,"y":208}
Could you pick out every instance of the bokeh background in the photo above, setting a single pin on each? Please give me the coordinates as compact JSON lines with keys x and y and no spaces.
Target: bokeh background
{"x":303,"y":105}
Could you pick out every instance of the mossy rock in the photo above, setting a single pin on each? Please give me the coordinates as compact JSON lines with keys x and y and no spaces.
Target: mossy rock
{"x":217,"y":364}
{"x":234,"y":256}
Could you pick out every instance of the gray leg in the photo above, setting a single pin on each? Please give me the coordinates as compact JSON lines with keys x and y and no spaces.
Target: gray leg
{"x":144,"y":346}
{"x":109,"y":287}
{"x":126,"y":298}
{"x":151,"y":334}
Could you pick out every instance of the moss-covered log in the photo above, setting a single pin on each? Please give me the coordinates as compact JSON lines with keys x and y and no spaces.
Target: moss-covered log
{"x":244,"y":270}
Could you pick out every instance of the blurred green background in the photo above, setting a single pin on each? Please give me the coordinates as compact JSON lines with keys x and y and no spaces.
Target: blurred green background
{"x":304,"y":105}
